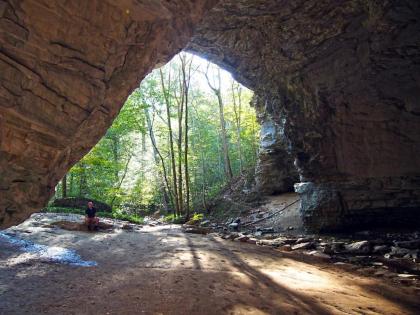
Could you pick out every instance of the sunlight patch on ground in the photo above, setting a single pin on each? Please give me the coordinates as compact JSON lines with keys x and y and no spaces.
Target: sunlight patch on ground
{"x":246,"y":309}
{"x":333,"y":289}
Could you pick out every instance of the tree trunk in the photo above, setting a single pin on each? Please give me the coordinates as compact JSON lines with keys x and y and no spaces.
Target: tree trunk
{"x":115,"y":145}
{"x":217,"y":92}
{"x":186,"y":84}
{"x":237,"y":112}
{"x":171,"y":143}
{"x":82,"y":180}
{"x":121,"y":181}
{"x":64,"y":187}
{"x":71,"y":184}
{"x":180,"y":136}
{"x":158,"y":157}
{"x":228,"y":168}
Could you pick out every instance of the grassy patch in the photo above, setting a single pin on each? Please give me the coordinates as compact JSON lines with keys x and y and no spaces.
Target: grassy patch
{"x":195,"y":219}
{"x":170,"y":218}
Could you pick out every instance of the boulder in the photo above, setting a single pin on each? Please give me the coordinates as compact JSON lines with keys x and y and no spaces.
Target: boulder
{"x":362,"y":247}
{"x":380,"y":249}
{"x":413,"y":244}
{"x":127,"y":227}
{"x":252,"y":240}
{"x":196,"y":230}
{"x":304,"y":240}
{"x":265,"y":242}
{"x":308,"y":245}
{"x":266,"y":230}
{"x":398,"y":251}
{"x":234,"y":226}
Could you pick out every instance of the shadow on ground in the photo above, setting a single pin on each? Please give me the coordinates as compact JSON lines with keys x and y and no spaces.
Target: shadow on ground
{"x":160,"y":270}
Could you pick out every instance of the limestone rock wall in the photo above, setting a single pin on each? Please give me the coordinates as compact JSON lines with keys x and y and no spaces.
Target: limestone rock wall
{"x":66,"y":68}
{"x":342,"y":77}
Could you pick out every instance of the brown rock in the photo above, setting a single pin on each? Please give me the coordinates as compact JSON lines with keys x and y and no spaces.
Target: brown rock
{"x":65,"y":72}
{"x":307,"y":245}
{"x":362,"y":247}
{"x":242,"y":238}
{"x":286,"y":247}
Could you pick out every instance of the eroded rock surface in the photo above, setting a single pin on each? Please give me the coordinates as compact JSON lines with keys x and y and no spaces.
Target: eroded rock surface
{"x":343,"y":79}
{"x":66,"y":68}
{"x":275,"y":172}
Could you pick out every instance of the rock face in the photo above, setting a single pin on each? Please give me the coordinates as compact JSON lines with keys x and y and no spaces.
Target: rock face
{"x":66,"y":68}
{"x":275,"y":172}
{"x":342,"y":79}
{"x":337,"y":84}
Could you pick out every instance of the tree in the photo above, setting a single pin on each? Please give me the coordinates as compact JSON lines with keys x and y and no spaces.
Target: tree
{"x":165,"y":188}
{"x":186,"y":66}
{"x":237,"y":104}
{"x":215,"y":87}
{"x":64,"y":186}
{"x":171,"y":140}
{"x":167,"y":149}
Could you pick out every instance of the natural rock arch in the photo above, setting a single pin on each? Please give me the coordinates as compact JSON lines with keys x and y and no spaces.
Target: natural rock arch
{"x":339,"y":80}
{"x":66,"y":69}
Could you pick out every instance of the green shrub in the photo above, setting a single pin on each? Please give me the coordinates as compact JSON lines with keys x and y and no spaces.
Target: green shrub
{"x":111,"y":215}
{"x":197,"y":217}
{"x":170,"y":218}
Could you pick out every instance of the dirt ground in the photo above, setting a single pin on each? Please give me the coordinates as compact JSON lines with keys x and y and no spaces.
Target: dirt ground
{"x":285,"y":210}
{"x":161,"y":270}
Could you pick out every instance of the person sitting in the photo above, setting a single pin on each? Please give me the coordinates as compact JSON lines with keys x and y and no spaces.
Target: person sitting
{"x":90,"y":219}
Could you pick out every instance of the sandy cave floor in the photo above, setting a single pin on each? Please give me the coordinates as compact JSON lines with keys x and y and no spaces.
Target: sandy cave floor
{"x":161,"y":270}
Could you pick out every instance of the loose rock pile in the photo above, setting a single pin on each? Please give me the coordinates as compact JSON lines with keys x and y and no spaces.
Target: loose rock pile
{"x":392,"y":255}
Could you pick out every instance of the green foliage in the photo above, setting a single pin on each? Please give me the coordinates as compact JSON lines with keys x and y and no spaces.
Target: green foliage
{"x":196,"y":218}
{"x":171,"y":218}
{"x":111,"y":215}
{"x":124,"y":170}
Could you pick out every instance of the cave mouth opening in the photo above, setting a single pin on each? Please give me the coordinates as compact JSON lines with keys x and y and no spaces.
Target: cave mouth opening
{"x":131,"y":169}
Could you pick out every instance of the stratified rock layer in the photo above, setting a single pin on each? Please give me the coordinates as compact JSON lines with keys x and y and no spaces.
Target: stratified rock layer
{"x":343,"y":79}
{"x":66,"y":68}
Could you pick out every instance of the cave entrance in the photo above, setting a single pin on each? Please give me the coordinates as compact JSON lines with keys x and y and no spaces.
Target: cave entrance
{"x":186,"y":132}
